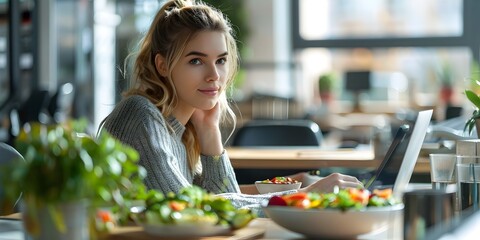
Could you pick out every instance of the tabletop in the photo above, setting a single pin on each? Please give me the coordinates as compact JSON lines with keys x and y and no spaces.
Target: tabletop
{"x":309,"y":158}
{"x":300,"y":158}
{"x":260,"y":228}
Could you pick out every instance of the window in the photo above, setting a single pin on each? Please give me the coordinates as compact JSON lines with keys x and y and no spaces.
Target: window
{"x":432,"y":43}
{"x":322,"y":19}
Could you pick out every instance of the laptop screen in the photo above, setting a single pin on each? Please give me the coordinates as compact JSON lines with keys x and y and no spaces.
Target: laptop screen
{"x":398,"y":164}
{"x":387,"y":171}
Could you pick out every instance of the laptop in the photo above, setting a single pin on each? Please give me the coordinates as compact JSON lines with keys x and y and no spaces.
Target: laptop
{"x":397,"y":166}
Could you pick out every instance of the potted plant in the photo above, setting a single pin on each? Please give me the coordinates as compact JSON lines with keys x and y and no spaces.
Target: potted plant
{"x":325,"y":86}
{"x":66,"y":173}
{"x":473,"y":95}
{"x":445,"y":75}
{"x":473,"y":120}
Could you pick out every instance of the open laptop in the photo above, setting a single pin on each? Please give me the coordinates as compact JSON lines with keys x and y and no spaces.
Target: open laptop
{"x":397,"y":166}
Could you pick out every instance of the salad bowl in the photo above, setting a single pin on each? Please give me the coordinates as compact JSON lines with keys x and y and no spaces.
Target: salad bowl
{"x":345,"y":213}
{"x":277,"y":184}
{"x":334,"y":223}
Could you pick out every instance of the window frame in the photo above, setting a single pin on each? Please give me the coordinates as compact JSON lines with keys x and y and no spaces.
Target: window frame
{"x":470,"y":36}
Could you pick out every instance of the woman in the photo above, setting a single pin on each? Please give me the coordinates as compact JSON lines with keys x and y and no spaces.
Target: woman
{"x":172,"y":113}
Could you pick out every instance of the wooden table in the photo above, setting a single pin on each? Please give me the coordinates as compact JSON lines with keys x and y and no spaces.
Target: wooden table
{"x":260,"y":228}
{"x":300,"y":158}
{"x":309,"y":158}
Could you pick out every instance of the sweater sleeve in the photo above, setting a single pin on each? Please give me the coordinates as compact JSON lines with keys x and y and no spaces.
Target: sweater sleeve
{"x":142,"y":127}
{"x":217,"y":174}
{"x":253,"y":202}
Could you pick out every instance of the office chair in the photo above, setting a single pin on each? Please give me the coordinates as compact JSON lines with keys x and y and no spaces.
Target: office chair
{"x":274,"y":133}
{"x":289,"y":132}
{"x":31,"y":109}
{"x":7,"y":155}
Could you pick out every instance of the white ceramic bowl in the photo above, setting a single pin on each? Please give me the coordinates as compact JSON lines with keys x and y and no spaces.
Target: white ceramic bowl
{"x":276,"y":187}
{"x":333,"y":223}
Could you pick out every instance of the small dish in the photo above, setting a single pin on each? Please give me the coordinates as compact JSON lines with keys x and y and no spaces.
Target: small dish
{"x":264,"y":187}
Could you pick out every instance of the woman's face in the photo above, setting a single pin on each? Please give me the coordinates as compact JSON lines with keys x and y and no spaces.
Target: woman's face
{"x":200,"y":74}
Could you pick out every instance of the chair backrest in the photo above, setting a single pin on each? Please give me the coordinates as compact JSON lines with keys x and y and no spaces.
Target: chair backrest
{"x":289,"y":132}
{"x":7,"y":155}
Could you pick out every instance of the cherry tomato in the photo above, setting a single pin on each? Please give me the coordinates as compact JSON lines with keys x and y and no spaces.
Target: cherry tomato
{"x":104,"y":216}
{"x":176,"y":206}
{"x":295,"y":196}
{"x":359,"y":195}
{"x":277,"y":201}
{"x":302,"y":203}
{"x":383,"y":193}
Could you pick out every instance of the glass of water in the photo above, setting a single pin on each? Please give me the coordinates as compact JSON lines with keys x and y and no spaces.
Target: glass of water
{"x":442,"y":170}
{"x":468,"y":182}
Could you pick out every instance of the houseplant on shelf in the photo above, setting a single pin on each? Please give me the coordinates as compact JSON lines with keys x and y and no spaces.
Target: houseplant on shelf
{"x":66,"y":173}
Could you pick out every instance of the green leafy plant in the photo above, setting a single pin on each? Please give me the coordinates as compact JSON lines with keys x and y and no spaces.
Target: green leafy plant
{"x":473,"y":83}
{"x":475,"y":99}
{"x":326,"y":82}
{"x":190,"y":206}
{"x":63,"y":165}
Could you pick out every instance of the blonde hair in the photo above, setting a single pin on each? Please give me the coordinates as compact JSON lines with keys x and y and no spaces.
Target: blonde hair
{"x":172,"y":28}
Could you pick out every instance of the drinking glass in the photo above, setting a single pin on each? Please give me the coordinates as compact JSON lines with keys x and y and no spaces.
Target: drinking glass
{"x":468,"y":182}
{"x":442,"y":170}
{"x":427,"y":208}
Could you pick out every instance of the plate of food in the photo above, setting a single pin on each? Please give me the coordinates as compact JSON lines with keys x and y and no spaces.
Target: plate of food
{"x":277,"y":184}
{"x":345,"y":213}
{"x":190,"y":213}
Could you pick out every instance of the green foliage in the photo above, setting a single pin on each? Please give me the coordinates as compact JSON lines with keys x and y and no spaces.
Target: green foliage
{"x":191,"y":205}
{"x":63,"y":164}
{"x":473,"y":95}
{"x":475,"y":99}
{"x":326,"y":82}
{"x":474,"y":78}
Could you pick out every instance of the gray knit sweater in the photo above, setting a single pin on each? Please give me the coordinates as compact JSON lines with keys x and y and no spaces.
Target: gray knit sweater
{"x":138,"y":122}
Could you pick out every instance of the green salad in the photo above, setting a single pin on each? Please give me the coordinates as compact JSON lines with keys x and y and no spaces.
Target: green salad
{"x":349,"y":198}
{"x":192,"y":205}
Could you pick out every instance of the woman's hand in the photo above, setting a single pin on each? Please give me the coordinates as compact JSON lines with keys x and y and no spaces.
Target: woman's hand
{"x":306,"y":178}
{"x":327,"y":184}
{"x":207,"y":127}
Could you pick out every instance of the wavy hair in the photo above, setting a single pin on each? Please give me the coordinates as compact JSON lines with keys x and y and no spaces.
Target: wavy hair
{"x":173,"y":27}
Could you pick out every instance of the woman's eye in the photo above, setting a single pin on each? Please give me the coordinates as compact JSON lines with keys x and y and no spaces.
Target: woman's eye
{"x":221,"y":61}
{"x":195,"y":61}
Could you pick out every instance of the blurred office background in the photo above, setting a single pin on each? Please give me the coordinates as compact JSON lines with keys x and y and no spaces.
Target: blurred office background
{"x":63,"y":59}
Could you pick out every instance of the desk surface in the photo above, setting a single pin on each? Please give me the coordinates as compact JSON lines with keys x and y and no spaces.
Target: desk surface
{"x":308,"y":158}
{"x":261,"y":228}
{"x":300,"y":158}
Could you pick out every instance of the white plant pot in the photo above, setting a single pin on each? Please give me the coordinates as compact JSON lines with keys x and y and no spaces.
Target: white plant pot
{"x":75,"y":219}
